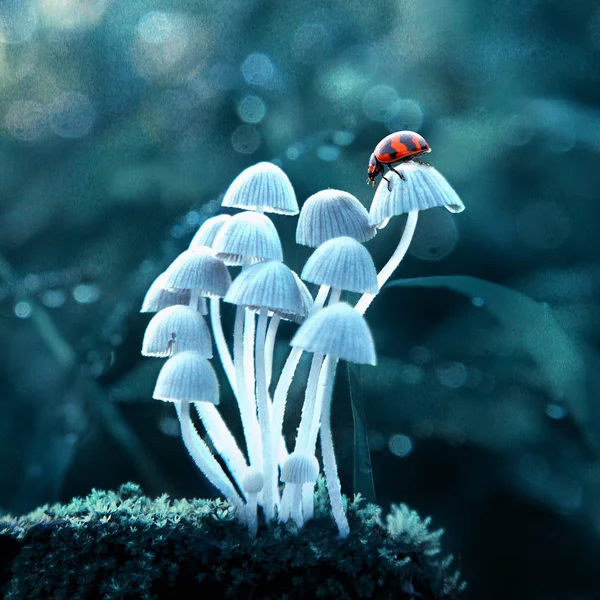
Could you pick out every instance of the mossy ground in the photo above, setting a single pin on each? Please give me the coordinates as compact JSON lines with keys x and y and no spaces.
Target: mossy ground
{"x":117,"y":545}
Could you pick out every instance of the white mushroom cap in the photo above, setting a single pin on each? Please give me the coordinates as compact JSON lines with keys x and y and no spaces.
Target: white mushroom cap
{"x":424,"y":187}
{"x":269,"y":284}
{"x":187,"y":376}
{"x":205,"y":236}
{"x":337,"y":330}
{"x":265,"y":186}
{"x":307,"y":300}
{"x":177,"y":329}
{"x":342,"y":263}
{"x":158,"y":297}
{"x":332,"y":213}
{"x":248,"y":236}
{"x":198,"y":269}
{"x":300,"y":467}
{"x":253,"y":481}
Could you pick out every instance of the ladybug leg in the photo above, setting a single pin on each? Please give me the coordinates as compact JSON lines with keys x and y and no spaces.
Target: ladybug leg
{"x":397,"y":173}
{"x":388,"y":182}
{"x":423,"y":163}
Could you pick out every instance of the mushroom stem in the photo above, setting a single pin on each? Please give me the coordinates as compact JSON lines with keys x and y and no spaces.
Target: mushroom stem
{"x":270,"y":345}
{"x":223,"y":440}
{"x":321,"y":297}
{"x":248,"y":357}
{"x":296,"y":510}
{"x":222,"y":348}
{"x":332,"y":480}
{"x":309,"y":416}
{"x":251,"y":513}
{"x":262,"y":400}
{"x":204,"y":459}
{"x":281,"y":392}
{"x":194,"y":298}
{"x":335,"y":296}
{"x":248,"y":417}
{"x":393,"y":262}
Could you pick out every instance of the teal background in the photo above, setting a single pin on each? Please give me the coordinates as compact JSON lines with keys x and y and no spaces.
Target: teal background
{"x":121,"y":124}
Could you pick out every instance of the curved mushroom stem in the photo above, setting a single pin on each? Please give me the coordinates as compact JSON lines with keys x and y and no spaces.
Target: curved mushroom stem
{"x":262,"y":399}
{"x":223,"y":440}
{"x":329,"y":463}
{"x":249,"y":420}
{"x":222,"y":348}
{"x":204,"y":459}
{"x":321,"y":297}
{"x":270,"y":345}
{"x":393,"y":262}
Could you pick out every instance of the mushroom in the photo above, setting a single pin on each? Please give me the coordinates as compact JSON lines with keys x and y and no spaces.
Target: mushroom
{"x":185,"y":378}
{"x":268,"y":286}
{"x":252,"y":485}
{"x":262,"y":187}
{"x":423,"y":187}
{"x":300,"y":468}
{"x":338,"y":332}
{"x":206,"y":234}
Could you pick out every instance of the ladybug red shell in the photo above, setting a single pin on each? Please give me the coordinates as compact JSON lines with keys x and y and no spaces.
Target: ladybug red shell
{"x":397,"y":147}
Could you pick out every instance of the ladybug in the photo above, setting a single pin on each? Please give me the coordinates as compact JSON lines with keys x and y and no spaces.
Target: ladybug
{"x":401,"y":146}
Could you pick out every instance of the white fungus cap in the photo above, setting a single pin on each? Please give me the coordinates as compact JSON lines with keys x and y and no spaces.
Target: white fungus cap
{"x":248,"y":236}
{"x":187,"y":376}
{"x":158,"y":297}
{"x":177,"y":329}
{"x":342,"y":263}
{"x":340,"y":331}
{"x":205,"y":236}
{"x":332,"y":213}
{"x":300,"y":467}
{"x":424,"y":187}
{"x":307,"y":300}
{"x":262,"y":186}
{"x":253,"y":481}
{"x":270,"y":285}
{"x":198,"y":269}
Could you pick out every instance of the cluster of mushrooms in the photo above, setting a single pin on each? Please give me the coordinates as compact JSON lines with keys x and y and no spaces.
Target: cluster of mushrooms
{"x":268,"y":473}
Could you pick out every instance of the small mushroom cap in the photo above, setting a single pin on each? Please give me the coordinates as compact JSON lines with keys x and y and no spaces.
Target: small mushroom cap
{"x":198,"y":269}
{"x":253,"y":481}
{"x":269,"y":284}
{"x":248,"y":236}
{"x":337,"y":330}
{"x":332,"y":213}
{"x":300,"y":467}
{"x":342,"y":263}
{"x":205,"y":236}
{"x":177,"y":329}
{"x":158,"y":297}
{"x":424,"y":187}
{"x":265,"y":186}
{"x":187,"y":376}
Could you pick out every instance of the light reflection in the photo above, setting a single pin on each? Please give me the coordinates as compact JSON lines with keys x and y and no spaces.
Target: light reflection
{"x":72,"y":14}
{"x":26,"y":120}
{"x":381,"y":103}
{"x":18,"y":21}
{"x":72,"y":115}
{"x":251,"y":109}
{"x":245,"y":139}
{"x":258,"y":69}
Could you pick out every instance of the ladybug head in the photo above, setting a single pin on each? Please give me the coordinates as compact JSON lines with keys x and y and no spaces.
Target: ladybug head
{"x":375,"y":168}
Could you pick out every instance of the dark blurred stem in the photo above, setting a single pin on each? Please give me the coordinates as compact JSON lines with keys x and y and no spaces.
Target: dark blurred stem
{"x":110,"y":417}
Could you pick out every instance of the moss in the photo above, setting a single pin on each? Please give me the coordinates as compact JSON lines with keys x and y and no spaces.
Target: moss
{"x":124,"y":545}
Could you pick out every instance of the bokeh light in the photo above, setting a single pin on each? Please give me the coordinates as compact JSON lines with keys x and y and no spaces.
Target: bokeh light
{"x":245,"y":139}
{"x":72,"y":115}
{"x":251,"y":109}
{"x":400,"y":445}
{"x":18,"y":21}
{"x":258,"y":70}
{"x":435,"y":237}
{"x":26,"y":120}
{"x":543,"y":225}
{"x":381,"y":103}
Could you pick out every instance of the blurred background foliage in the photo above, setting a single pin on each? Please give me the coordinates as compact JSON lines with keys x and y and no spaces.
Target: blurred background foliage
{"x":123,"y":121}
